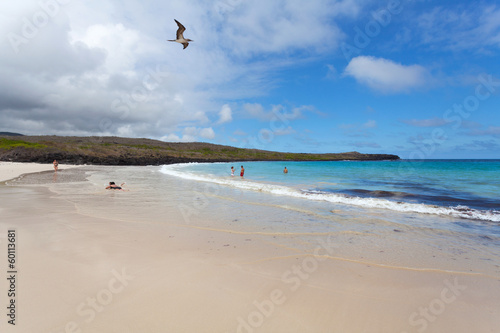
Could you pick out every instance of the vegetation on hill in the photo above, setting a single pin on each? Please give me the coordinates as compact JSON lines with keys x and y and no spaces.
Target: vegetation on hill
{"x":11,"y":144}
{"x":127,"y":151}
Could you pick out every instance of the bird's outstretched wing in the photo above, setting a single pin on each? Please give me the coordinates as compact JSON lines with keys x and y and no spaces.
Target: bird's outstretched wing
{"x":180,"y":30}
{"x":185,"y":45}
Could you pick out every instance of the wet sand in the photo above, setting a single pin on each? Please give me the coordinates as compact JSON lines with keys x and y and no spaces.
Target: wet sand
{"x":81,"y":273}
{"x":10,"y":170}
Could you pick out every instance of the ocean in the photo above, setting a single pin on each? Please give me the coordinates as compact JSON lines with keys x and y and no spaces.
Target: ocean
{"x":468,"y":189}
{"x":432,"y":214}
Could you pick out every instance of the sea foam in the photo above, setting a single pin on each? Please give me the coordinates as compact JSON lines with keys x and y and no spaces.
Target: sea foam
{"x":335,"y":198}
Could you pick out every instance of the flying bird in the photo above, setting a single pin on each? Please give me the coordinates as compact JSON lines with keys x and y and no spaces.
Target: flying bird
{"x":180,"y":38}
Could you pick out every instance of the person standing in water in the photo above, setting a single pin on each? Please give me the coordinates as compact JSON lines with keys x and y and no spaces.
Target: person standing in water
{"x":232,"y":170}
{"x":56,"y":165}
{"x":285,"y":171}
{"x":242,"y":172}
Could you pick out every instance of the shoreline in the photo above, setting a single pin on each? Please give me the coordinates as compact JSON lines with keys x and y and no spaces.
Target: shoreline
{"x":81,"y":272}
{"x":12,"y":170}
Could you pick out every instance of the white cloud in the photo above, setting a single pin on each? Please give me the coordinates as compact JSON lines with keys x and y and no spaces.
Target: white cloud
{"x":122,"y":45}
{"x":207,"y":133}
{"x":285,"y":131}
{"x":262,"y":26}
{"x":105,"y":68}
{"x":256,"y":110}
{"x":475,"y":27}
{"x":171,"y":138}
{"x":277,"y":112}
{"x":385,"y":75}
{"x":225,"y":114}
{"x":267,"y":135}
{"x":190,"y":134}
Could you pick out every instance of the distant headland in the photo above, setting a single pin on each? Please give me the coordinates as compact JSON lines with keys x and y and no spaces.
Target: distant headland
{"x":129,"y":151}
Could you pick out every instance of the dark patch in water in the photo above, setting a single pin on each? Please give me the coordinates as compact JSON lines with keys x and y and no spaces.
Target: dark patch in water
{"x":459,"y":203}
{"x":486,"y":237}
{"x":379,"y":193}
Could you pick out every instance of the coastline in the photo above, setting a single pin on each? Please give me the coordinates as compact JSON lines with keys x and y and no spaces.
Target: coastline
{"x":79,"y":272}
{"x":11,"y":170}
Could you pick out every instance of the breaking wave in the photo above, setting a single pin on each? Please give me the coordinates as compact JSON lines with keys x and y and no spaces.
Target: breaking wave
{"x":378,"y":201}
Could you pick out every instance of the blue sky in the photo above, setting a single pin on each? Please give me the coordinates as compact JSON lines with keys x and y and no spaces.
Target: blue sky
{"x":420,"y":79}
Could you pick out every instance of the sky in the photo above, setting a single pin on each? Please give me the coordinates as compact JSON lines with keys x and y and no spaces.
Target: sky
{"x":416,"y":78}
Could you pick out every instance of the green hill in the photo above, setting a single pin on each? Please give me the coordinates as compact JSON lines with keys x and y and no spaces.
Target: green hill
{"x":128,"y":151}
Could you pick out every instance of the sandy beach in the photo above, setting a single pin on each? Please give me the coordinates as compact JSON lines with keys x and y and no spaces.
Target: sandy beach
{"x":10,"y":170}
{"x":76,"y":272}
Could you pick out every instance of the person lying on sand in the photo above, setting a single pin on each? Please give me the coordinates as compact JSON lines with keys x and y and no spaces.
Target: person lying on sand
{"x":113,"y":186}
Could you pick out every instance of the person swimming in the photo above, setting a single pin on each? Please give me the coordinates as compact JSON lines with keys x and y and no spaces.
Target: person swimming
{"x":113,"y":186}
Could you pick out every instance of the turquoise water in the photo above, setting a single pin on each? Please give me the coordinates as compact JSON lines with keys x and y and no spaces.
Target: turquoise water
{"x":462,"y":188}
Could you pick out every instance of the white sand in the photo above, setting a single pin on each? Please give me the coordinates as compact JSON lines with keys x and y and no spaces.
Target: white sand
{"x":10,"y":170}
